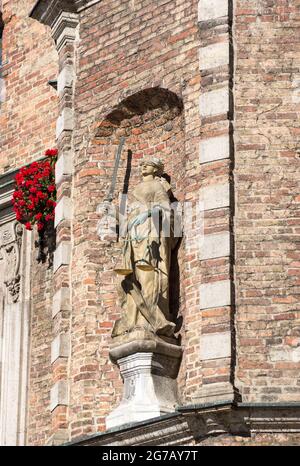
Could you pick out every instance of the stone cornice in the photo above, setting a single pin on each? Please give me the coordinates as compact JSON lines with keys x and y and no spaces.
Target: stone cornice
{"x":48,"y":11}
{"x":197,"y":422}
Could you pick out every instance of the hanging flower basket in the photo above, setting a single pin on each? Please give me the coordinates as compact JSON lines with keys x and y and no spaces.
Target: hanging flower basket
{"x":34,"y":199}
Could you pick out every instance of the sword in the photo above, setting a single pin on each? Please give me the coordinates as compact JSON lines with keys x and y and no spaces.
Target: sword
{"x":110,"y":196}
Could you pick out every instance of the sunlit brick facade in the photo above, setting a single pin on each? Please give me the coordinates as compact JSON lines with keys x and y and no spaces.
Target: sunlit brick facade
{"x":212,"y":87}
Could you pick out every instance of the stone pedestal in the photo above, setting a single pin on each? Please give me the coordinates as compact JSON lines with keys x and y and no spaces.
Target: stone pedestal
{"x":149,"y":368}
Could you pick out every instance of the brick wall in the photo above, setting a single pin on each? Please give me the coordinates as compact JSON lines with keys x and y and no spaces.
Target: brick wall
{"x":28,"y":113}
{"x":267,"y":201}
{"x":27,"y":127}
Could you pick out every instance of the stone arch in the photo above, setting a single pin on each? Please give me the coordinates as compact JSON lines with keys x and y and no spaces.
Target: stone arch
{"x":139,"y":104}
{"x":152,"y":122}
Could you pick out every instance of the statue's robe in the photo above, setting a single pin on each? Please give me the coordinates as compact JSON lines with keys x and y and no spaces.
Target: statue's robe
{"x":149,"y":240}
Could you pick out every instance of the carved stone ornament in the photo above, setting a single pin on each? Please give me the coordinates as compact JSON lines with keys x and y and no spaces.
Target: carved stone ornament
{"x":10,"y":252}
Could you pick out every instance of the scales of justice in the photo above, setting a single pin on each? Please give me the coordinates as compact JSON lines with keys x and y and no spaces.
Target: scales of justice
{"x":143,"y":342}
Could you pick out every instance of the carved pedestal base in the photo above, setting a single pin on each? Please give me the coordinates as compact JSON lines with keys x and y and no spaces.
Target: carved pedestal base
{"x":149,"y":369}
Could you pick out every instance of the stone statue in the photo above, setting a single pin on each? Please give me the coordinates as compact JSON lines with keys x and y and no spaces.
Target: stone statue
{"x":147,"y":252}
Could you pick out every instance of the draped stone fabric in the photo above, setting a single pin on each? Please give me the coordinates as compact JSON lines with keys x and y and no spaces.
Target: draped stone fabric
{"x":148,"y":244}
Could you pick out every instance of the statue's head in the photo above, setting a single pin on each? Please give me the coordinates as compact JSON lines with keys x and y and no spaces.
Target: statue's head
{"x":152,"y":166}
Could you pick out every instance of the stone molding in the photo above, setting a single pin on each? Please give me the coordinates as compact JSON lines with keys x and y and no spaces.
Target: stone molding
{"x":15,"y":256}
{"x":47,"y":11}
{"x":143,"y":341}
{"x":191,"y":424}
{"x":64,"y":29}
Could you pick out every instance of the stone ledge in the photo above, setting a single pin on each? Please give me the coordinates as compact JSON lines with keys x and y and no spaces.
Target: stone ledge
{"x":216,"y":392}
{"x":191,"y":423}
{"x":142,"y":341}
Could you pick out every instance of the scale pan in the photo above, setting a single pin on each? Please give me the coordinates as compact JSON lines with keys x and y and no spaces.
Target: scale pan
{"x":123,"y":272}
{"x":145,"y":267}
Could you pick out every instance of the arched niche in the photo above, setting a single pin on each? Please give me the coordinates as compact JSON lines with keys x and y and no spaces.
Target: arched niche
{"x":152,"y":122}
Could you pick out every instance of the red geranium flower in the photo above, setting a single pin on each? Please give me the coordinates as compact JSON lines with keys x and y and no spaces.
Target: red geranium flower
{"x":18,"y":195}
{"x":51,"y":203}
{"x":51,"y":152}
{"x":40,"y":195}
{"x":35,"y":193}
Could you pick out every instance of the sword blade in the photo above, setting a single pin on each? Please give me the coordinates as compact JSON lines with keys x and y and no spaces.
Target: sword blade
{"x":116,"y":167}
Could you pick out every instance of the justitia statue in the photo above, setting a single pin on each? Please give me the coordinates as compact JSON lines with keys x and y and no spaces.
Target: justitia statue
{"x":148,"y":244}
{"x":144,"y":347}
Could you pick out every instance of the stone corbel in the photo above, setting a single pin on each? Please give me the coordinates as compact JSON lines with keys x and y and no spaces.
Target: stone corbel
{"x":61,"y":16}
{"x":64,"y":29}
{"x":47,"y":11}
